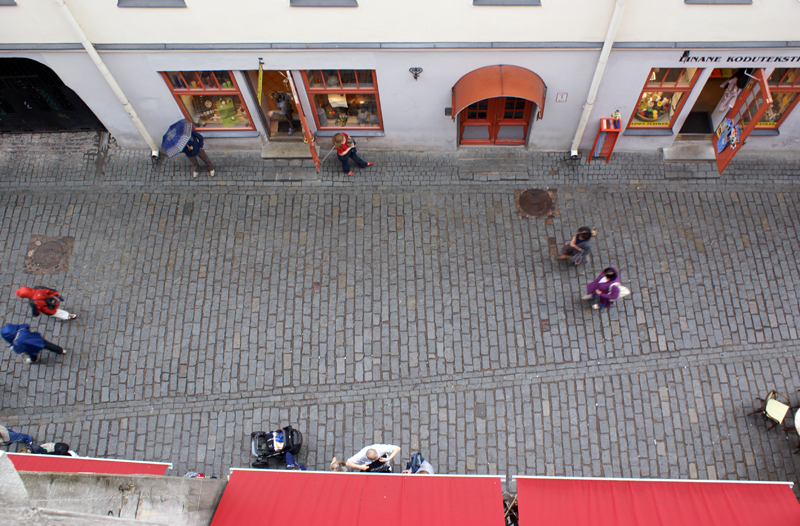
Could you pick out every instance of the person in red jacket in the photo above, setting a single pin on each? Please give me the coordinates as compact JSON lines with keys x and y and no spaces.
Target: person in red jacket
{"x":45,"y":301}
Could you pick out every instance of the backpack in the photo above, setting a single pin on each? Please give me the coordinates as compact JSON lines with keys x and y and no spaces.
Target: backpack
{"x":415,"y":463}
{"x":61,"y":449}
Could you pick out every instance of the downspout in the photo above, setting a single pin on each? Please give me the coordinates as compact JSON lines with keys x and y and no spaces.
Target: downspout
{"x":89,"y":47}
{"x":598,"y":76}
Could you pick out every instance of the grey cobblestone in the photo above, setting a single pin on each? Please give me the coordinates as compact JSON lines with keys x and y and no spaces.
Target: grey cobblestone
{"x":405,"y":306}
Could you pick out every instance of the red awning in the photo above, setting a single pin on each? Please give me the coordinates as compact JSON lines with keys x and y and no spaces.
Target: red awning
{"x":110,"y":466}
{"x":498,"y":81}
{"x":256,"y":497}
{"x":618,"y":502}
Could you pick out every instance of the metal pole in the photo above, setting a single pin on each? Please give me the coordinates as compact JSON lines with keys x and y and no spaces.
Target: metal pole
{"x":89,"y":47}
{"x":598,"y":76}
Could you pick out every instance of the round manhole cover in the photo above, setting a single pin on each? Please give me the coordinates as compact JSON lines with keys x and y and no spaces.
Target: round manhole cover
{"x":49,"y":254}
{"x":535,"y":202}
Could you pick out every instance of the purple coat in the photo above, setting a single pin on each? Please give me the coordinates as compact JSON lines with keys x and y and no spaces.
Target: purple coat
{"x":607,"y":293}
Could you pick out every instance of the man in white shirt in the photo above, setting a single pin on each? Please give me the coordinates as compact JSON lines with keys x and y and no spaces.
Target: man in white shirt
{"x":369,"y":454}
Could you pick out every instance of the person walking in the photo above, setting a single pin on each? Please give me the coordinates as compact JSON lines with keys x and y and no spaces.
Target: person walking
{"x":603,"y":290}
{"x":45,"y":301}
{"x":579,"y":249}
{"x":24,"y":340}
{"x":346,"y":150}
{"x":283,"y":102}
{"x":10,"y":436}
{"x":193,"y":150}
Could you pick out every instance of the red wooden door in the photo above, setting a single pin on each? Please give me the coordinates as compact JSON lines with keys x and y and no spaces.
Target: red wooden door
{"x":751,"y":105}
{"x":502,"y":120}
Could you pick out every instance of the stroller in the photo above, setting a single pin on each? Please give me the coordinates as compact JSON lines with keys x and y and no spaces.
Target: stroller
{"x":266,"y":445}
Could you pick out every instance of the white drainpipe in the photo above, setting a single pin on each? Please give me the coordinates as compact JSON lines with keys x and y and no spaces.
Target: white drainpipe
{"x":87,"y":44}
{"x":598,"y":76}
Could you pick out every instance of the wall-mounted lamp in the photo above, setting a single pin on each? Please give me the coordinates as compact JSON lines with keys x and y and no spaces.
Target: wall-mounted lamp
{"x":415,"y":71}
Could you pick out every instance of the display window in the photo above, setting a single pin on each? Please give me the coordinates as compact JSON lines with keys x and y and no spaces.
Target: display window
{"x":210,"y":99}
{"x":344,"y":99}
{"x":784,"y":84}
{"x":663,"y":96}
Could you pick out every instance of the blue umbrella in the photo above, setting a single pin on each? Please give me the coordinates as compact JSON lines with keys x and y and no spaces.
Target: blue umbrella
{"x":177,"y":136}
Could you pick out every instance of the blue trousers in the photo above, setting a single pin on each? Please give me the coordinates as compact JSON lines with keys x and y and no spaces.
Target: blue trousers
{"x":346,"y":160}
{"x":13,"y":436}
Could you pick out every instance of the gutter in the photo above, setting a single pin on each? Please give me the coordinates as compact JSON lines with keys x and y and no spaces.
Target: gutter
{"x":598,"y":76}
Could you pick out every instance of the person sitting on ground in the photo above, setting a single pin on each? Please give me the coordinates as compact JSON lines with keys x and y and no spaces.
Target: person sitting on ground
{"x":10,"y":436}
{"x":338,"y":465}
{"x":371,"y":457}
{"x":49,"y":448}
{"x":418,"y":465}
{"x":579,"y":248}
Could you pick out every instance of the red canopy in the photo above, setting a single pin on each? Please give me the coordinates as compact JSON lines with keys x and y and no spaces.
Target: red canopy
{"x":62,"y":464}
{"x":256,"y":497}
{"x":635,"y":502}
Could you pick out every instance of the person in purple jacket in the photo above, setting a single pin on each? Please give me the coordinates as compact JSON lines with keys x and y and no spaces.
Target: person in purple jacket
{"x":603,"y":290}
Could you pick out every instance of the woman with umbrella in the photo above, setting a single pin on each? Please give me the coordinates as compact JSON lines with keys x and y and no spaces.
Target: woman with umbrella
{"x":180,"y":137}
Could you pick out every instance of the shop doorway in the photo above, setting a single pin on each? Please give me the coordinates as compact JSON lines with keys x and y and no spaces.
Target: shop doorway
{"x":496,"y":121}
{"x":33,"y":99}
{"x":707,"y":111}
{"x":278,"y":126}
{"x":496,"y":105}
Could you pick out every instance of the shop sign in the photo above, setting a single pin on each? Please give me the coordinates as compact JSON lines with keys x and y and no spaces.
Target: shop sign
{"x":721,"y":59}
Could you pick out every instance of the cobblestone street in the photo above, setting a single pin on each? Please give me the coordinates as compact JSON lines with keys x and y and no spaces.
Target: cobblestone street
{"x":410,"y":305}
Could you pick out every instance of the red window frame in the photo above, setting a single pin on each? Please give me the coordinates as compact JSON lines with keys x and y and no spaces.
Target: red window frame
{"x":216,"y":90}
{"x":663,"y":85}
{"x":340,"y":89}
{"x":781,"y":87}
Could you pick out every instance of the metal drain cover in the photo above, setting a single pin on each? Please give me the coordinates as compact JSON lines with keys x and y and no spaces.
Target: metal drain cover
{"x":48,"y":255}
{"x":535,"y":202}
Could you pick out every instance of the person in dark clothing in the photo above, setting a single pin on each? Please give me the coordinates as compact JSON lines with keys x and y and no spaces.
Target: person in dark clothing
{"x":193,"y":150}
{"x":579,"y":249}
{"x":25,"y":340}
{"x":603,"y":290}
{"x":283,"y":102}
{"x":9,"y":436}
{"x":45,"y":301}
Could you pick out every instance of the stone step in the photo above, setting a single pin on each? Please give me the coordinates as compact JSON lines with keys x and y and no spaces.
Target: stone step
{"x":286,"y":150}
{"x":492,"y":169}
{"x":689,"y":151}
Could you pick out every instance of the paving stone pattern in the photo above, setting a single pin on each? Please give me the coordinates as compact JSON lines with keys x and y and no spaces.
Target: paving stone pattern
{"x":408,"y":305}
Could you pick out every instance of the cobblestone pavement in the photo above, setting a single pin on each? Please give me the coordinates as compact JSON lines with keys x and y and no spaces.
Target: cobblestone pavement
{"x":409,"y":305}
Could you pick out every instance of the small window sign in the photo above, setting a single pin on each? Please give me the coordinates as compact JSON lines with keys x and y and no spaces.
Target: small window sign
{"x":561,"y":97}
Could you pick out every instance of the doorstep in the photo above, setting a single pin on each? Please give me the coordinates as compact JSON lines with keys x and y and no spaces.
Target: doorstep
{"x":286,"y":150}
{"x":689,"y":151}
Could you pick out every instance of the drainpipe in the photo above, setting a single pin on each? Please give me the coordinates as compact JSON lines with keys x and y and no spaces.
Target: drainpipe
{"x":89,"y":47}
{"x":598,"y":76}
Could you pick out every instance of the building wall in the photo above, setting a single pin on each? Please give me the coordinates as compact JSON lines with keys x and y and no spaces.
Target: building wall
{"x":249,"y":21}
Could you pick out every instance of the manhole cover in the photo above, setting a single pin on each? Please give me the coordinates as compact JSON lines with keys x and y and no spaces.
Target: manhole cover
{"x":49,"y":255}
{"x":535,"y":202}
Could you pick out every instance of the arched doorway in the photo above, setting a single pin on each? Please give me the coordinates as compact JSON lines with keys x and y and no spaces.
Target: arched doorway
{"x":34,"y":99}
{"x":496,"y":105}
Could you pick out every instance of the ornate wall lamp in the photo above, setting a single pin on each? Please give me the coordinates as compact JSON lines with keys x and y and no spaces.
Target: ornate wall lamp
{"x":416,"y":72}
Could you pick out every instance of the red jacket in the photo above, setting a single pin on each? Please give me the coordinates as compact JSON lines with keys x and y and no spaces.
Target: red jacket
{"x":41,"y":299}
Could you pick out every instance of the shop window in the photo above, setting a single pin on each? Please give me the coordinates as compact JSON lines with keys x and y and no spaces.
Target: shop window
{"x":784,"y":84}
{"x":344,"y":98}
{"x":210,"y":99}
{"x":663,"y":96}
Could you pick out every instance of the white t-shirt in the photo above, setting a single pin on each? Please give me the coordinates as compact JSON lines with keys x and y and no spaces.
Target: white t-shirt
{"x":361,"y":458}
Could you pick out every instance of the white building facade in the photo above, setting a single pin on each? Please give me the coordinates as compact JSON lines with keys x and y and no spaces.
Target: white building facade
{"x":415,"y":74}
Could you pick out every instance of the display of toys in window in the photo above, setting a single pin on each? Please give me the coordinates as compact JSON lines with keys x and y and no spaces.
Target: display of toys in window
{"x":654,"y":107}
{"x":342,"y":119}
{"x":728,"y":135}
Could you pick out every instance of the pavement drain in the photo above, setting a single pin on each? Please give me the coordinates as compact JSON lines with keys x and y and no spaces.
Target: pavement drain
{"x":536,"y":203}
{"x":47,"y":255}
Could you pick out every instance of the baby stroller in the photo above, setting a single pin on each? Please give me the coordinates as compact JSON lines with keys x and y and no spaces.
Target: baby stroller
{"x":274,"y":444}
